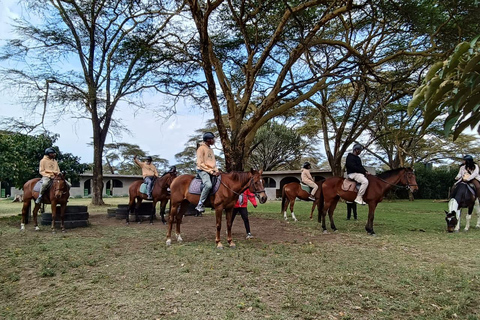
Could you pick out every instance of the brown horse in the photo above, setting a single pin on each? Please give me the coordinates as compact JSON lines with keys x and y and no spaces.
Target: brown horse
{"x":293,"y":190}
{"x":160,"y":193}
{"x":377,"y":187}
{"x":57,"y":193}
{"x":232,"y":185}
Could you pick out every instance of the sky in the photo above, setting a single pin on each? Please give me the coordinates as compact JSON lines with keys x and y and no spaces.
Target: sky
{"x":152,"y":134}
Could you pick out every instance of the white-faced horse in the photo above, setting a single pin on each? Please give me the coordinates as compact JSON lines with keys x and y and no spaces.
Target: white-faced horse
{"x":463,"y":196}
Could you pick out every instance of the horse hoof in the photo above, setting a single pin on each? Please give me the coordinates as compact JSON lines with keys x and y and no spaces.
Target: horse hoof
{"x":168,"y":242}
{"x":37,"y":228}
{"x":151,"y":223}
{"x":219,"y":246}
{"x":325,"y":232}
{"x":233,"y":246}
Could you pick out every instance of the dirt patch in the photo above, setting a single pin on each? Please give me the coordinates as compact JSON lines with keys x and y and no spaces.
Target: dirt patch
{"x":203,"y":228}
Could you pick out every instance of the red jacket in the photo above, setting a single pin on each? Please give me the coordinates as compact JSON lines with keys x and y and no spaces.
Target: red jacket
{"x":246,"y":195}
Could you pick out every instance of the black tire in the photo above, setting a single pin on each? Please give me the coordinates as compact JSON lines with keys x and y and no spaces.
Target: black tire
{"x":142,"y":217}
{"x":111,"y":212}
{"x":122,"y":206}
{"x":68,"y":224}
{"x":121,"y":216}
{"x":68,"y":216}
{"x":73,"y":209}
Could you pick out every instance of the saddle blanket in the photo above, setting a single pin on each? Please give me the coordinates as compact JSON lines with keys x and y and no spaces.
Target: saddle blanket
{"x":196,"y":186}
{"x":38,"y":185}
{"x":143,"y":188}
{"x":305,"y":187}
{"x":350,"y":185}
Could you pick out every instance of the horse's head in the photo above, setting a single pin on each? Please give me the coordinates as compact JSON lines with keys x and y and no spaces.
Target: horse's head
{"x":256,"y":185}
{"x":170,"y":176}
{"x":410,"y":180}
{"x":59,"y":185}
{"x":451,"y":218}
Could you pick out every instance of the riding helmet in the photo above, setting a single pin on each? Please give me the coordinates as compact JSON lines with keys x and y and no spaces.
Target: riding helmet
{"x":173,"y":169}
{"x":148,"y":158}
{"x":306,"y":165}
{"x":208,"y":135}
{"x":49,"y":150}
{"x":467,"y":157}
{"x":357,"y":146}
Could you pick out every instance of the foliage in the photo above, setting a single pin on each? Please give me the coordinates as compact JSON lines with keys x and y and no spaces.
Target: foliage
{"x":20,"y":155}
{"x":434,"y":183}
{"x":451,"y":87}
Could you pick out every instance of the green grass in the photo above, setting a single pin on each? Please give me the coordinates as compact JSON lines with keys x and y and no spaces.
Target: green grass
{"x":413,"y":269}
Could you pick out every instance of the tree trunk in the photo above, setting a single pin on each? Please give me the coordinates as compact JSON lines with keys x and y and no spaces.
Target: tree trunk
{"x":97,"y":179}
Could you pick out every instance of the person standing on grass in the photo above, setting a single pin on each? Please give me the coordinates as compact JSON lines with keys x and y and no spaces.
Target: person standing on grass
{"x":351,"y":207}
{"x":241,"y":207}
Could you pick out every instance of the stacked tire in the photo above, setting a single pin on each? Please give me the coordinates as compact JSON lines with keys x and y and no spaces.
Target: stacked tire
{"x":143,"y":212}
{"x":75,"y":217}
{"x":121,"y":212}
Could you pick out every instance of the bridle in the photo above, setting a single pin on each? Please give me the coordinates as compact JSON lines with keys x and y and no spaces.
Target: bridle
{"x":56,"y":182}
{"x":407,"y":186}
{"x":251,"y":183}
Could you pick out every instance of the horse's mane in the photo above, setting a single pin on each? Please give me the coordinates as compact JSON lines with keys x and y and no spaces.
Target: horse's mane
{"x":238,"y":175}
{"x":389,"y":173}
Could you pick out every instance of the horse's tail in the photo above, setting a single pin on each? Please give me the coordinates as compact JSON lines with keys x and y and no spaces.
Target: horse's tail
{"x":284,"y":198}
{"x":321,"y":202}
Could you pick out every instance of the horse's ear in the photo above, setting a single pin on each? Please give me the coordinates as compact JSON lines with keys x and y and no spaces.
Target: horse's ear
{"x":446,"y":212}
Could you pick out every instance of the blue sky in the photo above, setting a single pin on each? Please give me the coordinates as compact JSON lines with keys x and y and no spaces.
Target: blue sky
{"x":152,"y":134}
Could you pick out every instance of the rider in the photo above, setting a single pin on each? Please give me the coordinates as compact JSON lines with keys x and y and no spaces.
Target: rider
{"x":307,"y":179}
{"x":206,"y":166}
{"x":48,"y":168}
{"x":469,"y":172}
{"x":357,"y":172}
{"x":149,"y":173}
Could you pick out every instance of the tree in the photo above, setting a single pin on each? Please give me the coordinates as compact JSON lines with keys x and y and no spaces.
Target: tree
{"x":276,"y":146}
{"x":451,"y":88}
{"x":20,"y":155}
{"x":86,"y":57}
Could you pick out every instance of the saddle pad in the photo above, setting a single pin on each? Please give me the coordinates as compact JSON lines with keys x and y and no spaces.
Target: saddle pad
{"x":350,"y":185}
{"x":38,"y":186}
{"x":196,"y":186}
{"x":305,"y":187}
{"x":143,"y":188}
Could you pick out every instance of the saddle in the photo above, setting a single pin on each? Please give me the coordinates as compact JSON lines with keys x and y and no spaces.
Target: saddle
{"x":350,"y":185}
{"x":196,"y":186}
{"x":38,"y":186}
{"x":306,"y":187}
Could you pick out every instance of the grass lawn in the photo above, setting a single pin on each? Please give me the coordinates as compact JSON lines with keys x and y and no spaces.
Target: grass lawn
{"x":412,"y":269}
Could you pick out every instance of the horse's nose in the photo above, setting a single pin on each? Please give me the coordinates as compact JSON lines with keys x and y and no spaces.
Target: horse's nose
{"x":263,"y":198}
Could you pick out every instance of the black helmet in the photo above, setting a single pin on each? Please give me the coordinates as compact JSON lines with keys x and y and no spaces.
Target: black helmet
{"x":148,"y":158}
{"x":357,"y":146}
{"x":173,"y":169}
{"x":467,"y":157}
{"x":208,"y":135}
{"x":306,"y":165}
{"x":49,"y":150}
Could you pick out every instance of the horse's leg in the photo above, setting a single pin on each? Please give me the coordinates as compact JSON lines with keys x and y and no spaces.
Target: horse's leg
{"x":459,"y":216}
{"x":25,"y":208}
{"x":371,"y":215}
{"x":35,"y":213}
{"x":152,"y":213}
{"x":171,"y":218}
{"x":313,"y":208}
{"x":292,"y":203}
{"x":53,"y":205}
{"x":228,"y":214}
{"x":468,"y":218}
{"x":137,"y":208}
{"x":287,"y":201}
{"x":477,"y":211}
{"x":331,"y":210}
{"x":324,"y":213}
{"x":131,"y":207}
{"x":218,"y":218}
{"x":163,"y":205}
{"x":63,"y":207}
{"x":181,"y":212}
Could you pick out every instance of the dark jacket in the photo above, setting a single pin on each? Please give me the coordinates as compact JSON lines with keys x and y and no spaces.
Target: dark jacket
{"x":354,"y":164}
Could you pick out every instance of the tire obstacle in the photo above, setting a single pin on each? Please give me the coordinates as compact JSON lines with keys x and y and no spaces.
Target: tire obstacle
{"x":75,"y":217}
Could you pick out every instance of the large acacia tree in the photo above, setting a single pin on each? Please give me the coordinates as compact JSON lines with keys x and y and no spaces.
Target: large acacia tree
{"x":85,"y":57}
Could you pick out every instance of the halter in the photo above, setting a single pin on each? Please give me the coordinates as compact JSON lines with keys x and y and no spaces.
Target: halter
{"x":406,"y":187}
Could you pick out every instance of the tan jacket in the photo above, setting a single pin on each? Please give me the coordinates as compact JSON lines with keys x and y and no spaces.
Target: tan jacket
{"x":306,"y":176}
{"x":148,"y":170}
{"x":206,"y":159}
{"x":48,"y":167}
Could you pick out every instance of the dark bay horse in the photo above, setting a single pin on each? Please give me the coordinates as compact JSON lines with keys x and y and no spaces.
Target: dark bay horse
{"x":232,"y":185}
{"x":293,"y":190}
{"x":377,"y":188}
{"x":58,"y":193}
{"x":462,"y":197}
{"x":160,"y":193}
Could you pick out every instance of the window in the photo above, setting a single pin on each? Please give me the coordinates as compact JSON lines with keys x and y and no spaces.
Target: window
{"x":269,"y":182}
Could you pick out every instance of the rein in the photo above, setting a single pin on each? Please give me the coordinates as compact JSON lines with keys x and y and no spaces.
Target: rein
{"x":396,"y":185}
{"x":238,"y":194}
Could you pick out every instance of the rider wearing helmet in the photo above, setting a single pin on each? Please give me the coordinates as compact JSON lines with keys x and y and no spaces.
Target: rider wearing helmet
{"x":469,"y":173}
{"x":357,"y":172}
{"x":307,"y":179}
{"x":206,"y":166}
{"x":149,"y":173}
{"x":48,"y":168}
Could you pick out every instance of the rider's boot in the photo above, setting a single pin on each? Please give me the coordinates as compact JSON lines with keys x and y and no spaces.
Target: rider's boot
{"x":359,"y":200}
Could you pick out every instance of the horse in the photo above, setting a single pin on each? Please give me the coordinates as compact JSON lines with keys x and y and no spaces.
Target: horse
{"x":232,"y":185}
{"x":462,"y":197}
{"x":160,"y":193}
{"x":377,"y":187}
{"x":293,"y":190}
{"x":57,"y":193}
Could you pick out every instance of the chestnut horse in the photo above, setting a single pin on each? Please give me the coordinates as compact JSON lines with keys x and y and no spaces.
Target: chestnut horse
{"x":57,"y":193}
{"x":377,"y":187}
{"x":160,"y":193}
{"x":293,"y":190}
{"x":232,"y":185}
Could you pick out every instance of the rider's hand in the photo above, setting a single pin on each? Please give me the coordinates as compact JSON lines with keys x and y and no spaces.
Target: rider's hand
{"x":216,"y":173}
